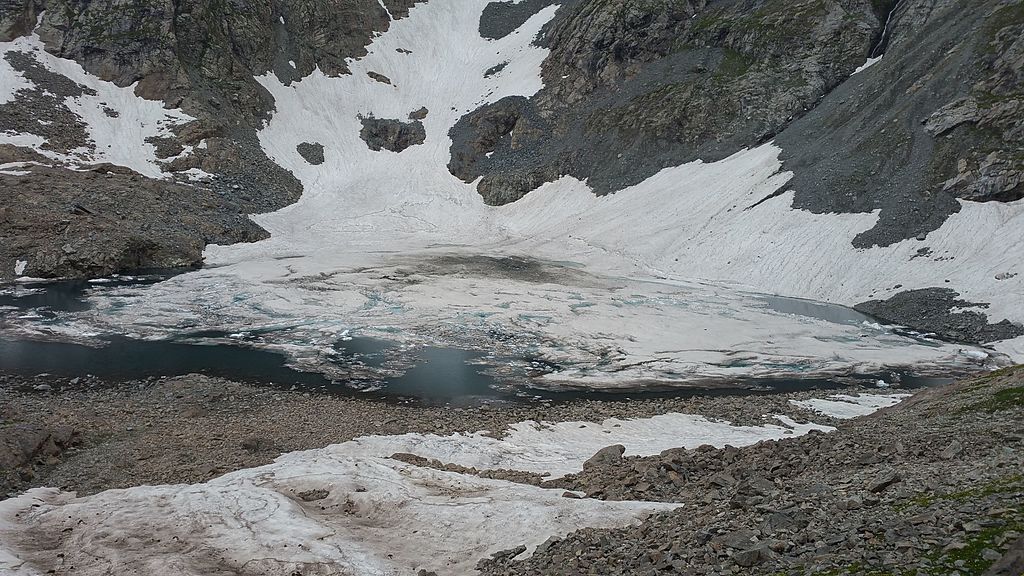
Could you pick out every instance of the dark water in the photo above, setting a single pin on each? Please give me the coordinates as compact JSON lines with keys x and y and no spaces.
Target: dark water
{"x":427,"y":375}
{"x":363,"y":367}
{"x":820,"y":310}
{"x":68,"y":295}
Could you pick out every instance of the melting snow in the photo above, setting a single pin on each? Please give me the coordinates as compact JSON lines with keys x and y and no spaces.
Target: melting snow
{"x":657,"y":282}
{"x":372,"y":516}
{"x":118,"y":122}
{"x":11,"y":80}
{"x":844,"y":407}
{"x":867,"y":64}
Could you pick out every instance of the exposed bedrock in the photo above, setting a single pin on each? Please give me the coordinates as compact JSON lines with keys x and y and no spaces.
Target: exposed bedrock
{"x":631,"y":89}
{"x":499,"y":19}
{"x":390,"y":134}
{"x":940,"y":311}
{"x":939,"y":118}
{"x":67,"y":223}
{"x":312,"y":152}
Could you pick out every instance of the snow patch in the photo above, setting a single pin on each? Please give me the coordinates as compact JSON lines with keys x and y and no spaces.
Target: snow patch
{"x":11,"y":81}
{"x":844,"y":406}
{"x":867,"y":64}
{"x":118,"y":122}
{"x":19,"y":267}
{"x":352,"y":506}
{"x":557,"y":449}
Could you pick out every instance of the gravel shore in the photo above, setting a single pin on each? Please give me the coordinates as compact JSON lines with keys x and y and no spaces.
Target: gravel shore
{"x":93,"y":435}
{"x":930,"y":486}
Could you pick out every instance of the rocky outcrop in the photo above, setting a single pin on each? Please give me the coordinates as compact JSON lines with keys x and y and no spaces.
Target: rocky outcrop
{"x":633,"y":88}
{"x":390,"y":134}
{"x":312,"y":152}
{"x":941,"y":312}
{"x":24,"y":447}
{"x":68,"y":223}
{"x":934,"y":121}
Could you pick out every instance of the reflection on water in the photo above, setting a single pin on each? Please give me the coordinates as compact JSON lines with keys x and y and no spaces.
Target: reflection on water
{"x":820,"y":310}
{"x":434,"y":376}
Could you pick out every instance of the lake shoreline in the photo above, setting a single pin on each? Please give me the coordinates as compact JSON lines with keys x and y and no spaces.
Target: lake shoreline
{"x":97,"y":435}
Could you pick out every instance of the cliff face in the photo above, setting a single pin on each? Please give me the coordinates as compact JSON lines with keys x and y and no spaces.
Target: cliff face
{"x":629,"y":89}
{"x":936,"y":120}
{"x":632,"y":88}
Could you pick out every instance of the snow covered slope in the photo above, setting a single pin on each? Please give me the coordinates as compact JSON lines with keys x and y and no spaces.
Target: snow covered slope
{"x":118,"y":125}
{"x":659,"y":282}
{"x":350,"y":507}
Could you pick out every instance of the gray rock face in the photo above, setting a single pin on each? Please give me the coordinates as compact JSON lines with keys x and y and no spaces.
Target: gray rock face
{"x":68,"y":223}
{"x":312,"y":152}
{"x":920,"y":128}
{"x":500,"y":19}
{"x":390,"y":134}
{"x":932,"y":310}
{"x":633,"y":88}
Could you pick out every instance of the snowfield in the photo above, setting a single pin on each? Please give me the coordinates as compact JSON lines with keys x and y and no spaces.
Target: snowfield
{"x":350,"y":508}
{"x":665,"y":282}
{"x":118,"y":122}
{"x":844,"y":406}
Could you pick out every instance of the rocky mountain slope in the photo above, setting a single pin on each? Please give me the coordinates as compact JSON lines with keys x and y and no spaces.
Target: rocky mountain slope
{"x":931,"y":486}
{"x":908,"y":110}
{"x":633,"y":88}
{"x":198,"y":57}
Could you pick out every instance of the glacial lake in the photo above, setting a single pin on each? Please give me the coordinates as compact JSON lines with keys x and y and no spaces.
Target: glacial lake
{"x":369,"y":367}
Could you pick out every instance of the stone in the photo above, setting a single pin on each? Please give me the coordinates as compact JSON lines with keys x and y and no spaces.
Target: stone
{"x":748,"y":558}
{"x":953,"y":450}
{"x":1011,"y":563}
{"x":883,"y":480}
{"x":390,"y":134}
{"x":313,"y":495}
{"x":607,"y":456}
